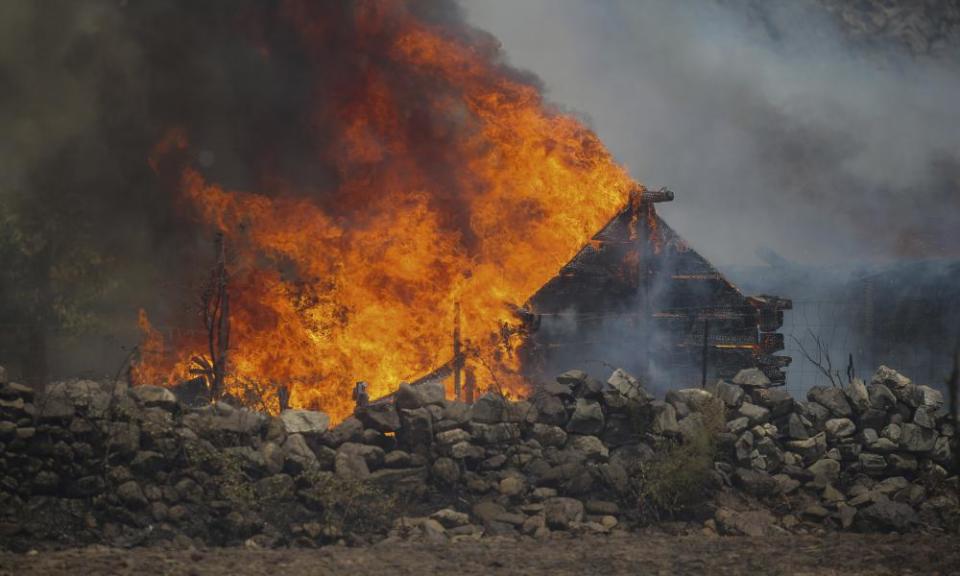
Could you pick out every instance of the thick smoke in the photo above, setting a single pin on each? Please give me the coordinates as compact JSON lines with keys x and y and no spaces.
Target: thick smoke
{"x":805,"y":155}
{"x":774,"y":129}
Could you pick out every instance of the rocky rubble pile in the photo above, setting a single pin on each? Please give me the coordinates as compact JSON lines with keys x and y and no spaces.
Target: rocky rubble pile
{"x":89,"y":462}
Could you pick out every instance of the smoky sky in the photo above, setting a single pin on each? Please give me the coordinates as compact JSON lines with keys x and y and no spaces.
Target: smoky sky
{"x":775,"y":130}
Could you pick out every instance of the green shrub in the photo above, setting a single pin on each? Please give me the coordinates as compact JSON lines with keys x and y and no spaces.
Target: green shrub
{"x":348,"y":506}
{"x":679,"y":477}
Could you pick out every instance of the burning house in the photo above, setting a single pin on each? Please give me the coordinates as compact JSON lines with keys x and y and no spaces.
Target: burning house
{"x":444,"y":194}
{"x":638,"y":296}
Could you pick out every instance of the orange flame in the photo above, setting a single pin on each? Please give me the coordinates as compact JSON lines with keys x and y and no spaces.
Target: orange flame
{"x":323,"y":297}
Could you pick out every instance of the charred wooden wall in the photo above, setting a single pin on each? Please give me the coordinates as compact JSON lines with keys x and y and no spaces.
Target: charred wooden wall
{"x":638,"y":296}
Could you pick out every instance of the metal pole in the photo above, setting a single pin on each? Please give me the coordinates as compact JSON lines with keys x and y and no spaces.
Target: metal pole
{"x":706,"y":350}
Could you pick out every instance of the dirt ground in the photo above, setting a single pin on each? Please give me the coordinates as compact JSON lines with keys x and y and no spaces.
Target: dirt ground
{"x":624,"y":554}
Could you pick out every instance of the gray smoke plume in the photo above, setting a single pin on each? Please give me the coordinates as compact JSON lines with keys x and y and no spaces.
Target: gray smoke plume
{"x":774,"y":127}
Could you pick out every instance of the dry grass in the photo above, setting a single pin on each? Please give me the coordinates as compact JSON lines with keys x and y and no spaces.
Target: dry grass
{"x":679,"y":478}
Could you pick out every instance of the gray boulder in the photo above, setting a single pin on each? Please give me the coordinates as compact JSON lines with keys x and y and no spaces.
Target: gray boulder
{"x":587,"y":418}
{"x":373,"y":456}
{"x":794,"y":428}
{"x":892,"y":379}
{"x":825,"y":471}
{"x":755,"y":482}
{"x":881,"y":397}
{"x":840,"y":427}
{"x":413,"y":396}
{"x":446,"y":471}
{"x":832,"y":398}
{"x":382,"y":417}
{"x":887,"y":515}
{"x":306,"y":422}
{"x":872,"y":464}
{"x":917,"y":439}
{"x":416,"y":428}
{"x":590,"y":447}
{"x":664,"y":419}
{"x":350,"y":464}
{"x":751,"y":378}
{"x":550,"y":409}
{"x":154,"y":396}
{"x":561,"y":512}
{"x":573,"y":378}
{"x":857,"y":395}
{"x":488,"y":409}
{"x":923,"y":417}
{"x":62,"y":399}
{"x":810,"y":449}
{"x":548,"y":435}
{"x":695,"y":399}
{"x":930,"y":398}
{"x":756,"y":414}
{"x":729,"y":394}
{"x":777,"y":400}
{"x":628,"y":386}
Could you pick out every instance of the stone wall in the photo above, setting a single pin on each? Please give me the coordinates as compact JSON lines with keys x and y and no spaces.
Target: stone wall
{"x":94,"y":462}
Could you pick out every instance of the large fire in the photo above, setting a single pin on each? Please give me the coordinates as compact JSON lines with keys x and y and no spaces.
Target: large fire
{"x":477,"y":195}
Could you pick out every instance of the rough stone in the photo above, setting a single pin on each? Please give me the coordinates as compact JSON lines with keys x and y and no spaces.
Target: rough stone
{"x":306,"y":422}
{"x":751,"y":378}
{"x":887,"y":515}
{"x":881,"y":398}
{"x":794,"y":428}
{"x":917,"y":439}
{"x":748,"y":523}
{"x":757,"y":483}
{"x":548,"y":435}
{"x":413,"y":396}
{"x":154,"y":396}
{"x":561,"y":512}
{"x":587,"y":418}
{"x":738,"y":425}
{"x":589,"y":446}
{"x":131,"y":495}
{"x":550,"y":409}
{"x":756,"y":414}
{"x":664,"y":420}
{"x":840,"y":428}
{"x":488,"y":409}
{"x":455,"y":436}
{"x":512,"y":486}
{"x":857,"y":395}
{"x":893,"y":380}
{"x":777,"y":400}
{"x":695,"y":399}
{"x":923,"y":417}
{"x":373,"y":456}
{"x":729,"y":394}
{"x":298,"y":454}
{"x":832,"y":398}
{"x":382,"y":417}
{"x":930,"y":398}
{"x":416,"y":428}
{"x":450,"y":518}
{"x":628,"y":386}
{"x":446,"y":471}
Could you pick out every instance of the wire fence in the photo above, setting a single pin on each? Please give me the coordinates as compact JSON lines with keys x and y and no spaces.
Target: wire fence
{"x":917,"y":345}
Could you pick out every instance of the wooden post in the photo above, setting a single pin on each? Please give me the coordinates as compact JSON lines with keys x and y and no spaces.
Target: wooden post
{"x":219,"y":318}
{"x":706,"y":352}
{"x":457,"y":360}
{"x":471,"y":384}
